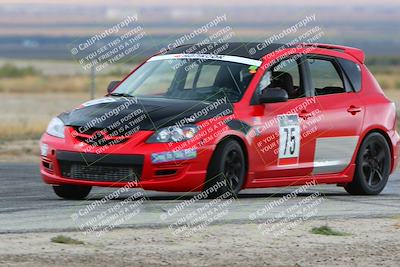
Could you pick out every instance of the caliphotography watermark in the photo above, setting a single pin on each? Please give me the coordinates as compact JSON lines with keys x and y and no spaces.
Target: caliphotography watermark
{"x":198,"y":32}
{"x":111,"y":45}
{"x":194,"y":215}
{"x":113,"y":127}
{"x":310,"y":35}
{"x":287,"y":212}
{"x":108,"y":213}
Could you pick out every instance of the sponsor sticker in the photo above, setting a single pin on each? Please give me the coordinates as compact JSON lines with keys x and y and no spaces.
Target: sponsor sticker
{"x":253,"y":69}
{"x":236,"y":59}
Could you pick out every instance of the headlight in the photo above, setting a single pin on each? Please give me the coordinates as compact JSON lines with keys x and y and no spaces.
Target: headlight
{"x":56,"y":128}
{"x":174,"y":134}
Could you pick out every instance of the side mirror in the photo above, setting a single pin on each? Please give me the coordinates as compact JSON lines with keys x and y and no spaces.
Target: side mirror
{"x":112,"y":85}
{"x":273,"y":95}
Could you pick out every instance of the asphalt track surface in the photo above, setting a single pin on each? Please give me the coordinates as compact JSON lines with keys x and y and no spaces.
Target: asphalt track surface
{"x":28,"y":205}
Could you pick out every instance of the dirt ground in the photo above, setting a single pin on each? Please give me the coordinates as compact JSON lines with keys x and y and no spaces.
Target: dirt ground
{"x":372,"y":242}
{"x":20,"y":151}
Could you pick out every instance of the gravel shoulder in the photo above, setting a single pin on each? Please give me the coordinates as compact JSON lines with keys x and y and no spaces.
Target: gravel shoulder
{"x":371,"y":242}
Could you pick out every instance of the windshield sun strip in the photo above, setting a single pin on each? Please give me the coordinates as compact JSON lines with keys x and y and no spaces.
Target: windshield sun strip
{"x":235,"y":59}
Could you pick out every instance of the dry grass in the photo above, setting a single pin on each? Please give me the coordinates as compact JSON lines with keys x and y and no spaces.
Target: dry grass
{"x":53,"y":83}
{"x":394,"y":95}
{"x":326,"y":230}
{"x":20,"y":151}
{"x":25,"y":116}
{"x":388,"y":77}
{"x":388,"y":81}
{"x":22,"y":129}
{"x":62,"y":239}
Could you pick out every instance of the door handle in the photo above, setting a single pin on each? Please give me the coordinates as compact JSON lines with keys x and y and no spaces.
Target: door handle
{"x":353,"y":110}
{"x":304,"y":114}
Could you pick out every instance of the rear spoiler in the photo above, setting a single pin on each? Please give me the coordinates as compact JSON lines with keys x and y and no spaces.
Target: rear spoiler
{"x":354,"y":52}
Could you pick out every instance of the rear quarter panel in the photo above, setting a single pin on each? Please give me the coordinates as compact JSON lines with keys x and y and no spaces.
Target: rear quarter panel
{"x":380,"y":113}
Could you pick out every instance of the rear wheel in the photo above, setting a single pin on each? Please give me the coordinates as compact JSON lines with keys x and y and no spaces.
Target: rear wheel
{"x":372,"y":166}
{"x":226,"y":172}
{"x":72,"y":191}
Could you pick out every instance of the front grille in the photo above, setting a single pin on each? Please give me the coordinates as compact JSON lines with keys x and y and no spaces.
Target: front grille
{"x":101,"y":168}
{"x":98,"y":172}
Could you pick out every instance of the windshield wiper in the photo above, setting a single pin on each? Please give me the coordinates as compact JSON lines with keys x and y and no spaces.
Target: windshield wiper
{"x":120,"y":94}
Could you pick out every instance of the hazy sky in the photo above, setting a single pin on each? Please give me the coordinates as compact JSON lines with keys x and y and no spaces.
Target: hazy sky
{"x":363,"y":23}
{"x":206,"y":2}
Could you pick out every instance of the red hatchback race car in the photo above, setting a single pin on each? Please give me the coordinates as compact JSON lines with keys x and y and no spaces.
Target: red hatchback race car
{"x":218,"y":119}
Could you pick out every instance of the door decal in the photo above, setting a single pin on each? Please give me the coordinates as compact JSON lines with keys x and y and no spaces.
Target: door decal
{"x":289,"y":139}
{"x":334,"y":154}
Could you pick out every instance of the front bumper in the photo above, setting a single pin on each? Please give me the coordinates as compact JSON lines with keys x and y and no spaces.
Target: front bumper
{"x":66,"y":161}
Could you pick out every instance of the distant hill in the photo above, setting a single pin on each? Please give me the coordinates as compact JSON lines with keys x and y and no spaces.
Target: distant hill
{"x":46,"y":29}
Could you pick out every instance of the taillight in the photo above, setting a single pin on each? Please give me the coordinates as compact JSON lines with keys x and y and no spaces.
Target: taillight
{"x":396,"y":120}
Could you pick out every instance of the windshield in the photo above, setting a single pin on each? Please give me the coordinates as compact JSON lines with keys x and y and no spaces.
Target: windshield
{"x":188,"y":79}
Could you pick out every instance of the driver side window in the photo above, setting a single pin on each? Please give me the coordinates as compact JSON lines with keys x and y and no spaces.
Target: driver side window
{"x":286,"y":74}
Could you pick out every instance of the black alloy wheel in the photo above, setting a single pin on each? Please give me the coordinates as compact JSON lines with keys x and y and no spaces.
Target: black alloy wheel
{"x":226,"y":171}
{"x":373,"y":166}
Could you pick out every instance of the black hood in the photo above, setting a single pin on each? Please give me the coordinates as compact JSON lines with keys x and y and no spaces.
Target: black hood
{"x":129,"y":113}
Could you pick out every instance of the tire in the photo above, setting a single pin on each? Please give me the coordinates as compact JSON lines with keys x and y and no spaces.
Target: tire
{"x":372,"y":166}
{"x":226,"y":171}
{"x":72,"y":192}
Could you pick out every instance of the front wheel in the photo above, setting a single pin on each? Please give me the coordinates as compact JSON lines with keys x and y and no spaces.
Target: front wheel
{"x":372,"y":166}
{"x":72,"y":192}
{"x":226,"y":171}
